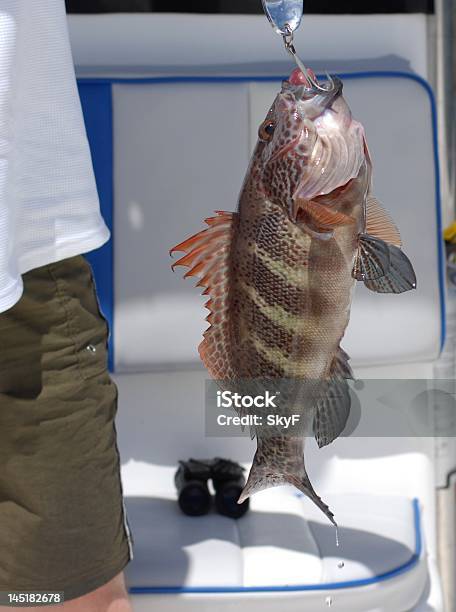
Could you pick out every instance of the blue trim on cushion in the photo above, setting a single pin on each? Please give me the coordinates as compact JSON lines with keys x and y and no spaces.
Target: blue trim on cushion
{"x":96,"y":101}
{"x":401,"y":569}
{"x":108,"y":82}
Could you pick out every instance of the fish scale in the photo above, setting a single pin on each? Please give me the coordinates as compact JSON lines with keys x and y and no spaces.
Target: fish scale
{"x":263,"y":290}
{"x":263,"y":293}
{"x":280,"y":274}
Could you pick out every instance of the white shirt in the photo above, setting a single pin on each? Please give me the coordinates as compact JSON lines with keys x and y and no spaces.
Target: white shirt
{"x":49,"y":207}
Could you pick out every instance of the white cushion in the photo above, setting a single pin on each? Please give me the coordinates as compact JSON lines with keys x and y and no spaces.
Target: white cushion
{"x":164,"y":421}
{"x":282,"y":544}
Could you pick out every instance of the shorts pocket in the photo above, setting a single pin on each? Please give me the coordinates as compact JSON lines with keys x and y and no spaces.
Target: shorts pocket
{"x":87,"y":325}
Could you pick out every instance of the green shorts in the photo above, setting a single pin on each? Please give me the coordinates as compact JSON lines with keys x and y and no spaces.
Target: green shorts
{"x":62,"y":519}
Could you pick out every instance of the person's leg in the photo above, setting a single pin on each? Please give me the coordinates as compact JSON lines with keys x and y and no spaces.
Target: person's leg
{"x":111,"y":597}
{"x":62,"y":520}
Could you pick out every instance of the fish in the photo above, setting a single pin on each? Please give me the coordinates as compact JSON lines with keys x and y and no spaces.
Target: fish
{"x":280,"y":272}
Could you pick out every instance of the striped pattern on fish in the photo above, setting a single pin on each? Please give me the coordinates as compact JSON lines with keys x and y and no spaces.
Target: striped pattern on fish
{"x":280,"y":272}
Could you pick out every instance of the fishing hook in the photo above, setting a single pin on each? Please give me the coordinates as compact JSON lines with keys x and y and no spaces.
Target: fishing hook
{"x":288,"y":41}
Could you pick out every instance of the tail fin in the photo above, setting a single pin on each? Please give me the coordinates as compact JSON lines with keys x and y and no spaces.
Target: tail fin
{"x":274,"y":466}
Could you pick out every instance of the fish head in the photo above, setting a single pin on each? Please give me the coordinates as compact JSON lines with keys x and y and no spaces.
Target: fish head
{"x":309,"y":144}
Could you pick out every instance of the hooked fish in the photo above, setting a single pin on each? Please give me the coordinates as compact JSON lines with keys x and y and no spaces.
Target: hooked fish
{"x":280,"y":271}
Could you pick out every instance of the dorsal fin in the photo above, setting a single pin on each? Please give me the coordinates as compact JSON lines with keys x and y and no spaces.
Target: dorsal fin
{"x":379,"y":224}
{"x":207,"y":257}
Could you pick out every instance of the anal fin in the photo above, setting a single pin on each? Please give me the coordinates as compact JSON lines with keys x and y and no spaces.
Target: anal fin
{"x":333,"y":409}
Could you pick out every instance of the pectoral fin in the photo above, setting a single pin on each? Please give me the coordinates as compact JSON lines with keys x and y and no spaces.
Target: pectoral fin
{"x":318,"y":220}
{"x":379,"y":224}
{"x":383,"y":267}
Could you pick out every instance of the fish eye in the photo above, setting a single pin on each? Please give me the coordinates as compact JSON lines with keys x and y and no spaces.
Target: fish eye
{"x":266,"y":130}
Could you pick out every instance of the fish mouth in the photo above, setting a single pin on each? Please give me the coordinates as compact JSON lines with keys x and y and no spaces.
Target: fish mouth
{"x":323,"y":94}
